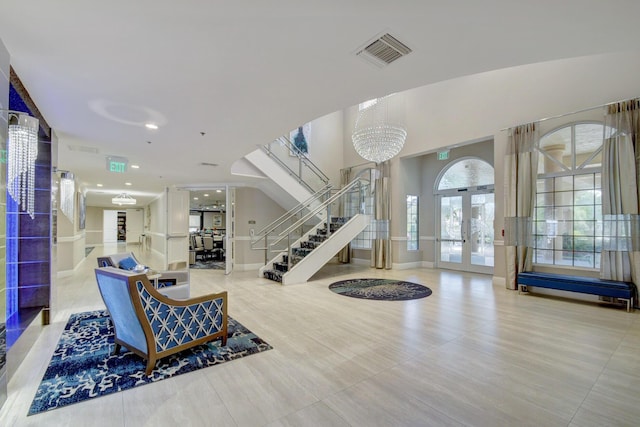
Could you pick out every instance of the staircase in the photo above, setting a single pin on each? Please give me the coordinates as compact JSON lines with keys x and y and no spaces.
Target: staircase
{"x":301,"y":239}
{"x":314,"y":250}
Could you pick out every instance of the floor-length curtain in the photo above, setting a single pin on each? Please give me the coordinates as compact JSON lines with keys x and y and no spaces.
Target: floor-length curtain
{"x":381,"y":245}
{"x":521,"y":171}
{"x":620,"y":188}
{"x":344,"y":256}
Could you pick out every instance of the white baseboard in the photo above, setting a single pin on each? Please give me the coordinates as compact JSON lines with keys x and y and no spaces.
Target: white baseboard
{"x":360,"y":261}
{"x":428,"y":264}
{"x":406,"y":265}
{"x":248,"y":267}
{"x":499,"y":281}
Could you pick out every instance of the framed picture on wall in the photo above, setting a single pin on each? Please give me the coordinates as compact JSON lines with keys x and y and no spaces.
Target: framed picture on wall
{"x":217,"y":220}
{"x":300,"y":138}
{"x":82,"y":211}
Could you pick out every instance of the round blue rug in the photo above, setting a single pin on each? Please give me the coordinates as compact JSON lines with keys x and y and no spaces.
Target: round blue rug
{"x":380,"y":289}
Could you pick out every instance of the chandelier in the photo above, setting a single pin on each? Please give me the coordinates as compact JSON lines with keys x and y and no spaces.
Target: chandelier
{"x":123,"y":199}
{"x":67,"y":193}
{"x":22,"y":151}
{"x":377,"y":137}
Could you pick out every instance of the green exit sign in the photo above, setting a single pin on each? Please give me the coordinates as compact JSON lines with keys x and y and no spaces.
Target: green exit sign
{"x":117,"y":164}
{"x":443,"y":155}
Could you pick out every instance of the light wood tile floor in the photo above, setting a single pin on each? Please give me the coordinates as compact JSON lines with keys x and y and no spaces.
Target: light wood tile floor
{"x":470,"y":354}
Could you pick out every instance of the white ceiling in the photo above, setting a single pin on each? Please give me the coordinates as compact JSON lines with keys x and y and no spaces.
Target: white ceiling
{"x":221,"y":77}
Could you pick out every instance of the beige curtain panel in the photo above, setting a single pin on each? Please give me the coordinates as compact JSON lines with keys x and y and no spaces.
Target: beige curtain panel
{"x":620,"y":177}
{"x":521,"y":172}
{"x":381,"y":247}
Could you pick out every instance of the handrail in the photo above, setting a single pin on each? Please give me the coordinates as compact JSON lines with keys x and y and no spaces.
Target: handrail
{"x":314,"y":212}
{"x":305,"y":159}
{"x":291,"y":212}
{"x":284,"y":166}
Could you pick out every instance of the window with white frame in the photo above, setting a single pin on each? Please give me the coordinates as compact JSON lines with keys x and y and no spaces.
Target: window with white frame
{"x":567,"y":227}
{"x":412,"y":223}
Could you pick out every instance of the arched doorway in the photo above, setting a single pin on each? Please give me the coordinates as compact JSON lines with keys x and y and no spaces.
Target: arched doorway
{"x":466,"y":208}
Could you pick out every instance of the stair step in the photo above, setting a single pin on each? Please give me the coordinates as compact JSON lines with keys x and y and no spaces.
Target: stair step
{"x":310,"y":244}
{"x":281,"y":266}
{"x":340,"y":220}
{"x":300,"y":252}
{"x":273,"y":275}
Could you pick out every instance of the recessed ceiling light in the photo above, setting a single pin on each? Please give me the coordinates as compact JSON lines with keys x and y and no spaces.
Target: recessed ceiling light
{"x":151,"y":126}
{"x":99,"y":185}
{"x":218,"y":191}
{"x":127,"y":183}
{"x":135,"y":166}
{"x":195,"y":198}
{"x":206,"y":195}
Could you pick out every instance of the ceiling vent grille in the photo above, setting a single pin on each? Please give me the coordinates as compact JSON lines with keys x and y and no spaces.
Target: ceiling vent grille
{"x":383,"y":50}
{"x":208,"y":164}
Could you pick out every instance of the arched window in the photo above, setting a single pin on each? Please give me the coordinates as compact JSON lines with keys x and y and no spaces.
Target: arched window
{"x":466,"y":173}
{"x":568,"y":214}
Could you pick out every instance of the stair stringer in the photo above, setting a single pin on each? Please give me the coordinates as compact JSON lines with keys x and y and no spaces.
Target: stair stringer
{"x":309,"y":265}
{"x":278,"y":175}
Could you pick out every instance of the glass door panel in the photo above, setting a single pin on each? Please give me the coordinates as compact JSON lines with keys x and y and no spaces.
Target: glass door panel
{"x":451,"y":223}
{"x":481,"y":234}
{"x":466,"y":232}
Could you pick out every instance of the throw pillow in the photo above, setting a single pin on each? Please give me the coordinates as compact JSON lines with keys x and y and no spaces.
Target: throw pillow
{"x":127,"y":264}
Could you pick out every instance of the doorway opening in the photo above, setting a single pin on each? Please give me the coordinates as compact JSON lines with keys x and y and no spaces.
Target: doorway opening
{"x":466,"y":211}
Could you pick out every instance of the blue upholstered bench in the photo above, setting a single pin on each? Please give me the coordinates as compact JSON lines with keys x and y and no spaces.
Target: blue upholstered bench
{"x":586,"y":285}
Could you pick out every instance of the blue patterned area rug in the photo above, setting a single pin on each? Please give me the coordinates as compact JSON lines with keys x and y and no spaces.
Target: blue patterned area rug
{"x":380,"y":289}
{"x":83,"y":365}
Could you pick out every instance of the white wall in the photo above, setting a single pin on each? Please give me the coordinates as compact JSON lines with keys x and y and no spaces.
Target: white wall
{"x":94,"y":225}
{"x":325,"y":145}
{"x":254,"y":210}
{"x":70,"y":240}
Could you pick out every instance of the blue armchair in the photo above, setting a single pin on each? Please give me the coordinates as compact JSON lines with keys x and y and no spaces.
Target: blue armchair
{"x":154,"y":326}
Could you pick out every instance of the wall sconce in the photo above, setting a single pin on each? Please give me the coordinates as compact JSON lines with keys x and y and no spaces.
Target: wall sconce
{"x":123,"y":199}
{"x":22,"y":151}
{"x":67,"y":193}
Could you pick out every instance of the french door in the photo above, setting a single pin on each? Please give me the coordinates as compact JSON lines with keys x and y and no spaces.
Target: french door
{"x":465,"y":239}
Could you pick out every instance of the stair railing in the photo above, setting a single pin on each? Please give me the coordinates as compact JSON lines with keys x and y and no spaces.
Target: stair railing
{"x":355,"y":188}
{"x":297,"y":163}
{"x":291,"y":215}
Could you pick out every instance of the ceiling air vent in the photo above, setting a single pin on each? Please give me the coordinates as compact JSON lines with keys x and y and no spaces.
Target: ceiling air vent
{"x":383,"y":50}
{"x":208,"y":164}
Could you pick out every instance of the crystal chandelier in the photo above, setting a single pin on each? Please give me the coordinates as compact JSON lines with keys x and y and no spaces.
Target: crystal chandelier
{"x":67,"y":193}
{"x":377,"y":137}
{"x":123,"y":199}
{"x":22,"y":151}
